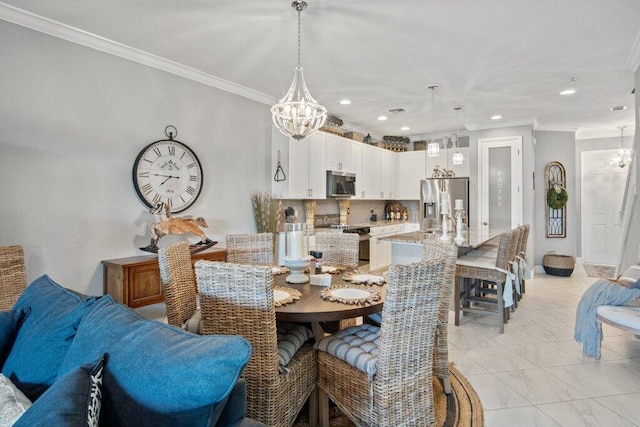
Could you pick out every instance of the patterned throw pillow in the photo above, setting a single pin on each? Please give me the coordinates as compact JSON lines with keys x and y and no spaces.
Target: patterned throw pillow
{"x":74,"y":400}
{"x":13,"y":403}
{"x":631,"y":277}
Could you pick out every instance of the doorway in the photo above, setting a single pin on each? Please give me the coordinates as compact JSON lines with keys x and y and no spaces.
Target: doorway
{"x":500,"y":164}
{"x":601,"y":194}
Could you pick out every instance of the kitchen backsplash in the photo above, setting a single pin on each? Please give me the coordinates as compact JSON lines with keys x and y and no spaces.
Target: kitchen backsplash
{"x":359,"y":210}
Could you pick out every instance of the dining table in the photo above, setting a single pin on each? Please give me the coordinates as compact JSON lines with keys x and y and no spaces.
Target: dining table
{"x":324,"y":315}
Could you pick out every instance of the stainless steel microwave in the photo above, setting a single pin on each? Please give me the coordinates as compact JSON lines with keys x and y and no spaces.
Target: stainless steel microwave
{"x":341,"y":184}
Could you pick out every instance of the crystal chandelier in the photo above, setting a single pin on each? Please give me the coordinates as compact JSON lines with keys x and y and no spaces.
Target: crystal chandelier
{"x":622,"y":157}
{"x":297,"y":114}
{"x":458,"y":158}
{"x":433,"y":148}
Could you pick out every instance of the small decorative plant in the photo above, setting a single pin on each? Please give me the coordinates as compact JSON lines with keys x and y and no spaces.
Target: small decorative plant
{"x":267,"y":212}
{"x":557,"y":197}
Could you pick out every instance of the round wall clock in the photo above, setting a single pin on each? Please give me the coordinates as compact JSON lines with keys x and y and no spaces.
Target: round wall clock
{"x":168,"y":171}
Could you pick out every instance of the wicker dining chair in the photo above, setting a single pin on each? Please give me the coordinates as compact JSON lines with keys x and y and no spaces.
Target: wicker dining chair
{"x":383,"y":376}
{"x":471,"y":269}
{"x":522,"y":254}
{"x":179,"y":287}
{"x":338,"y":249}
{"x":446,"y":253}
{"x":253,"y":248}
{"x":238,"y":300}
{"x":13,"y":275}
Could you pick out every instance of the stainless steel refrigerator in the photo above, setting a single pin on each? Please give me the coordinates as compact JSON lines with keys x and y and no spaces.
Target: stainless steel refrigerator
{"x":431,"y":200}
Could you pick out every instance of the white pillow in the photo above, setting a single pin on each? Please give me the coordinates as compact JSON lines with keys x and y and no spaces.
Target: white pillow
{"x":13,"y":403}
{"x":631,"y":277}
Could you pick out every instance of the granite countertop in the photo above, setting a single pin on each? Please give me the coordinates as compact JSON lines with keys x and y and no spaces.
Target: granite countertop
{"x":472,"y":238}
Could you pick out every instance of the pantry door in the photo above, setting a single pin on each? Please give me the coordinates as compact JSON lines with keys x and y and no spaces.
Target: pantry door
{"x":602,"y":190}
{"x":500,"y":163}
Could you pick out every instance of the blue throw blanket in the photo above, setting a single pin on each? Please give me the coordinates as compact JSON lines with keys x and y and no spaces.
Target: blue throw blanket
{"x":602,"y":292}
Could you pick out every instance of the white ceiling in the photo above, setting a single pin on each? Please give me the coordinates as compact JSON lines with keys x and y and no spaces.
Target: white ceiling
{"x":510,"y":57}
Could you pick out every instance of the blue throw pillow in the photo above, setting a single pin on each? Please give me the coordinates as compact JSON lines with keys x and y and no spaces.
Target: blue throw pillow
{"x":10,"y":322}
{"x":156,"y":374}
{"x":72,"y":401}
{"x":45,"y":335}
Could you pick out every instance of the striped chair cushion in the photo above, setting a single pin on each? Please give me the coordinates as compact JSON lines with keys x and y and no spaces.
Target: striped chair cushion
{"x":194,"y":324}
{"x":290,"y":338}
{"x":631,"y":277}
{"x":357,"y":345}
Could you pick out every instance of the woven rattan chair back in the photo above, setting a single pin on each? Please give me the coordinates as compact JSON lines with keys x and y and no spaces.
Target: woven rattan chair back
{"x":253,"y":249}
{"x":238,"y":300}
{"x":446,"y":253}
{"x":13,"y":275}
{"x":338,"y":249}
{"x":178,"y":282}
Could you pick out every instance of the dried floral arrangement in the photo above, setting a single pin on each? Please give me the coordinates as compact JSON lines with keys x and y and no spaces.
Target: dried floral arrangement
{"x":267,"y":212}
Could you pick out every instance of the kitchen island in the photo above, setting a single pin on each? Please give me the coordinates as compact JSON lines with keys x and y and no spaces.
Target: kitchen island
{"x":407,"y":247}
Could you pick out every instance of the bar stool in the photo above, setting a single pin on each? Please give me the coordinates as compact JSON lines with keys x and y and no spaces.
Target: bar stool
{"x":481,"y":269}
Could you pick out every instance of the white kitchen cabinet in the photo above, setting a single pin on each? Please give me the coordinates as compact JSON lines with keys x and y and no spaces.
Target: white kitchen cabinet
{"x":370,"y":188}
{"x":410,"y":169}
{"x":338,"y":153}
{"x":356,"y":167}
{"x":388,"y":175}
{"x":304,"y":164}
{"x":380,"y":250}
{"x":411,"y":226}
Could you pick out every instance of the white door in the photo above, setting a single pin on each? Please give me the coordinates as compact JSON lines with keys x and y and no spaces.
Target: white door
{"x":500,"y":164}
{"x":601,"y":194}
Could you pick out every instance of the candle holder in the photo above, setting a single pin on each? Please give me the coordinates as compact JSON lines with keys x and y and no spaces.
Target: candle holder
{"x":296,"y":257}
{"x":445,"y":227}
{"x":459,"y":238}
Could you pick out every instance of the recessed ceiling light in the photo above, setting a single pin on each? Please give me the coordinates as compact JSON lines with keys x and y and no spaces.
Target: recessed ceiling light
{"x":568,"y":92}
{"x":345,"y":102}
{"x":618,"y":108}
{"x":382,"y":118}
{"x":404,"y":128}
{"x":496,"y":117}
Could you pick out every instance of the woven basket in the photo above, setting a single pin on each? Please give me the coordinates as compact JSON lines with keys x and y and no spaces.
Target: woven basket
{"x":558,"y":265}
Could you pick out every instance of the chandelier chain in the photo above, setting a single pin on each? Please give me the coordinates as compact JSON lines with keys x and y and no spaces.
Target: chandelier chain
{"x":299,"y":36}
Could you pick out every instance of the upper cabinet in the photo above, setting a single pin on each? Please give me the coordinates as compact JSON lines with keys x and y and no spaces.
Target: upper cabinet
{"x":338,"y":153}
{"x":380,"y":174}
{"x":304,"y":164}
{"x":410,"y":169}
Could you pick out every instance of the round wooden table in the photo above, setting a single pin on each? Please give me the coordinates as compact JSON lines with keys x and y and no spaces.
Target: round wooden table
{"x":312,"y":308}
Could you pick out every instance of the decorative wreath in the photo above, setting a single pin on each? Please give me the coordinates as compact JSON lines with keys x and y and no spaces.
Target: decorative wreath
{"x":555,"y":199}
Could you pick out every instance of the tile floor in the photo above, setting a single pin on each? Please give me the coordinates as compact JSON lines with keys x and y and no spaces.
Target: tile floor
{"x":535,"y":375}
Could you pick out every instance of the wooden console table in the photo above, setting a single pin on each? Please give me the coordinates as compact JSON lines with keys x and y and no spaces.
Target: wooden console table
{"x":135,"y":281}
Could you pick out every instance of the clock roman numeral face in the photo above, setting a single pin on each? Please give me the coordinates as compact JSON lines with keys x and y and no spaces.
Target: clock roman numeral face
{"x":168,"y":171}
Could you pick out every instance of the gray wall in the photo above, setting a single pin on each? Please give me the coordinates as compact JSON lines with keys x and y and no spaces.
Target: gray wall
{"x":72,"y":121}
{"x":558,"y":147}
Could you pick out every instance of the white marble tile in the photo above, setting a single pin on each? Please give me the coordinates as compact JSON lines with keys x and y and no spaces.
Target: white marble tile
{"x":494,"y":394}
{"x":574,"y":349}
{"x":526,"y":416}
{"x":583,"y":413}
{"x":496,"y":359}
{"x":596,"y":380}
{"x":465,"y":364}
{"x":539,"y":386}
{"x":548,"y":332}
{"x":625,"y":405}
{"x":543,"y":354}
{"x":622,"y":344}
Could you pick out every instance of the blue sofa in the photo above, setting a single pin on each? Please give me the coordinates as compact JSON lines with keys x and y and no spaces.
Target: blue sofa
{"x":55,"y":345}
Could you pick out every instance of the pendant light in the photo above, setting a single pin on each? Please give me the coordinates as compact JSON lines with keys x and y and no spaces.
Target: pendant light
{"x":297,"y":114}
{"x":433,"y":148}
{"x":458,"y":158}
{"x":622,"y":157}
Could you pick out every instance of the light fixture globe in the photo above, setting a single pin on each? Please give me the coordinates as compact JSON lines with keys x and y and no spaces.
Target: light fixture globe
{"x":623,"y":156}
{"x":457,"y":158}
{"x":297,"y":114}
{"x":433,"y":148}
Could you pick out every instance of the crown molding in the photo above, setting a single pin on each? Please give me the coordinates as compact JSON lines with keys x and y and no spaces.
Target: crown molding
{"x":603,"y":133}
{"x":497,"y":124}
{"x":633,"y":60}
{"x":57,"y":29}
{"x":557,"y":128}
